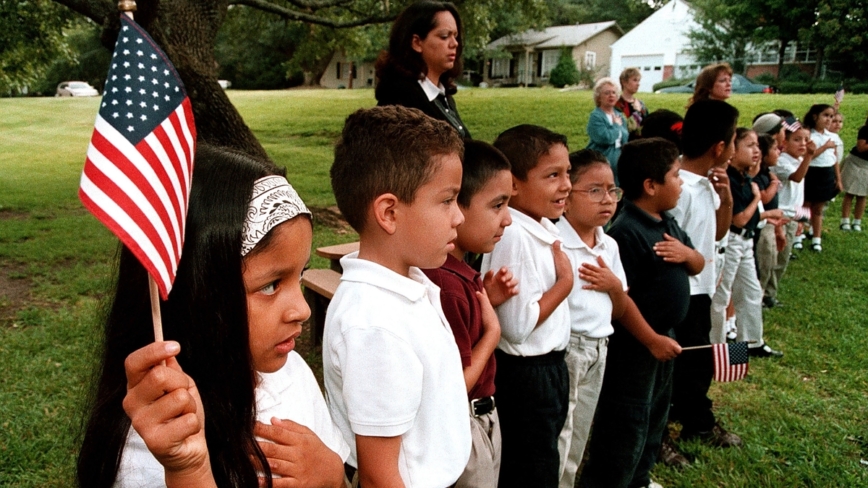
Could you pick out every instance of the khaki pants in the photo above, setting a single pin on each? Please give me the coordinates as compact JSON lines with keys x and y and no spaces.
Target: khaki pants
{"x":767,"y":259}
{"x":483,"y":467}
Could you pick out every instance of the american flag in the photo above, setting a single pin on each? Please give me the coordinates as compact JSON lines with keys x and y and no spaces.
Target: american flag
{"x":730,"y":361}
{"x":839,"y":94}
{"x":136,"y":178}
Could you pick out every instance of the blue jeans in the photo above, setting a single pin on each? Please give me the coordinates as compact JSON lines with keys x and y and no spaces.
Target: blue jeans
{"x":631,"y":416}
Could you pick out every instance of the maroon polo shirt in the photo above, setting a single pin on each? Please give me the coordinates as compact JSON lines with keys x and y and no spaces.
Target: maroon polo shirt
{"x":458,"y":284}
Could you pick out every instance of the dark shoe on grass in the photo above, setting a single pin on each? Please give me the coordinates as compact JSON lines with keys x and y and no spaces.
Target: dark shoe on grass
{"x":717,"y":437}
{"x":769,"y":302}
{"x":670,"y":456}
{"x":764,"y":351}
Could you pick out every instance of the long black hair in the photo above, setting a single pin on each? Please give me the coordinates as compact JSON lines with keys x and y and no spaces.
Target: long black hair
{"x":206,"y":313}
{"x":401,"y":60}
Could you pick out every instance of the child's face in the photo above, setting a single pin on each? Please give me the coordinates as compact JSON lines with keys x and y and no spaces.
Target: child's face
{"x":669,"y":191}
{"x":771,"y":158}
{"x":547,"y":186}
{"x":425,"y":229}
{"x":797,"y":144}
{"x":837,"y":123}
{"x":276,"y":306}
{"x":824,"y":119}
{"x":487,"y":215}
{"x":584,"y":212}
{"x":747,"y":152}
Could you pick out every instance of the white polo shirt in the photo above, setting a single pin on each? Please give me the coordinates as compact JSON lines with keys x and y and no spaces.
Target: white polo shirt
{"x":827,"y":158}
{"x":695,"y":213}
{"x":526,"y":249}
{"x":392,"y":368}
{"x":290,"y":393}
{"x":590,"y":310}
{"x":791,"y":196}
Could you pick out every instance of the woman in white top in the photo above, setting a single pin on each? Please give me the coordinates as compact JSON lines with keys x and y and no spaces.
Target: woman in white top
{"x":223,"y":401}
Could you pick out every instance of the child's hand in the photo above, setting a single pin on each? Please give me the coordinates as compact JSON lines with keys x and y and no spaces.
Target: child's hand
{"x":600,"y":278}
{"x":664,"y":348}
{"x":672,"y":250}
{"x":812,"y":147}
{"x":720,"y":182}
{"x":166,"y":410}
{"x":754,"y":189}
{"x":780,"y":237}
{"x":500,"y":286}
{"x":563,"y":266}
{"x":297,"y":455}
{"x":490,"y":323}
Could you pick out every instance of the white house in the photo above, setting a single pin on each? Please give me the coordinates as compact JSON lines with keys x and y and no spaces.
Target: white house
{"x":528,"y":57}
{"x":347,"y":73}
{"x":658,"y":46}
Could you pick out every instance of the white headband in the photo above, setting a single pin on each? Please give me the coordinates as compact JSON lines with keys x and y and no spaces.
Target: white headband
{"x":272,"y":203}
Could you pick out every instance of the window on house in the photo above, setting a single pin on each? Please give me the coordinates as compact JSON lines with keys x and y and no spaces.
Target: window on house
{"x":499,"y":68}
{"x":549,"y":61}
{"x":590,"y":60}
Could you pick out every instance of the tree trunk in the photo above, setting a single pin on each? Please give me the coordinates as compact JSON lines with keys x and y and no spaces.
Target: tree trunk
{"x":186,"y":30}
{"x":781,"y":52}
{"x":818,"y":65}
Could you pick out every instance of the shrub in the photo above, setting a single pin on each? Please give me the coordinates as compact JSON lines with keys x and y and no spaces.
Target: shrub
{"x":789,"y":87}
{"x":828,"y":87}
{"x":671,"y":82}
{"x":565,"y":72}
{"x":858,"y":88}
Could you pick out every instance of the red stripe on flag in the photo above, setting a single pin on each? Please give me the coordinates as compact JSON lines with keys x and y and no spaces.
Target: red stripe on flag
{"x":134,"y":173}
{"x":188,"y":146}
{"x":129,"y":242}
{"x":157,"y":165}
{"x":123,"y":201}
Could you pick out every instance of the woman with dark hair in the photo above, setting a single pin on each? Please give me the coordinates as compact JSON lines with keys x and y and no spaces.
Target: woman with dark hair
{"x":200,"y":409}
{"x":423,"y":61}
{"x":714,"y":82}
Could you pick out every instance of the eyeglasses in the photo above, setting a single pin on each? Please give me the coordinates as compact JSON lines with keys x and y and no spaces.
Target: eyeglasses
{"x":597,"y":195}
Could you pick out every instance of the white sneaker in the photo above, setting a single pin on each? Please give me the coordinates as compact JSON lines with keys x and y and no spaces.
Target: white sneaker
{"x":857,"y":227}
{"x":654,"y":484}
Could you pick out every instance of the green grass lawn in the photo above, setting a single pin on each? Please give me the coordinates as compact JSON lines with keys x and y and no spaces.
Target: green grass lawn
{"x":802,"y":417}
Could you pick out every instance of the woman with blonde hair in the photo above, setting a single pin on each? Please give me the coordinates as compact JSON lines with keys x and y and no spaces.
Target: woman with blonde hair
{"x":607,"y":128}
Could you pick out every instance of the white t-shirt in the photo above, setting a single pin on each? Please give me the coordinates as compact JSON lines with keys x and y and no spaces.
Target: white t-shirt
{"x":791,"y":195}
{"x":590,"y":310}
{"x":828,"y":157}
{"x":695,"y":213}
{"x":526,"y":249}
{"x":290,"y":393}
{"x":392,"y":368}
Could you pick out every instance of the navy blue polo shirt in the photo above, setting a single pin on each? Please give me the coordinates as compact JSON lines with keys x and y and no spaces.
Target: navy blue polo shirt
{"x":742,"y":195}
{"x":660,"y":290}
{"x":763,"y":179}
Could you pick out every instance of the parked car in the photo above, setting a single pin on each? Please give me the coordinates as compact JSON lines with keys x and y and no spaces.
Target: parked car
{"x":224,"y":84}
{"x":740,"y":84}
{"x":76,"y":89}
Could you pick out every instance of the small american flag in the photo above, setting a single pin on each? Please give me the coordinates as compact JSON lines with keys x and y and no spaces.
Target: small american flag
{"x":839,"y":94}
{"x":730,"y":361}
{"x":137,"y":175}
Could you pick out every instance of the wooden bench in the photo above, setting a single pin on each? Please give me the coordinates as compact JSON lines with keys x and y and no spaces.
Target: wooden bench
{"x":336,"y":252}
{"x":319,"y":288}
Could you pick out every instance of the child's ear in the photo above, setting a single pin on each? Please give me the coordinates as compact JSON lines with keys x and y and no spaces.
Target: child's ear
{"x":514,"y":187}
{"x":719,"y":148}
{"x":384,"y":210}
{"x":650,"y":187}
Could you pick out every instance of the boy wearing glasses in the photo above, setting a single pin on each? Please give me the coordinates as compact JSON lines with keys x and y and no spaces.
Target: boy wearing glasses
{"x":599,"y":295}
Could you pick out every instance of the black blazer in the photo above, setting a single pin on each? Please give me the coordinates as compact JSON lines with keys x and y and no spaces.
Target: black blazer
{"x":408,"y":93}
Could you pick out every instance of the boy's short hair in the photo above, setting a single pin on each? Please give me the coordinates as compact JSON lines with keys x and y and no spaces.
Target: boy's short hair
{"x":524,"y":144}
{"x":792,"y":131}
{"x":644,"y":159}
{"x":628,"y":74}
{"x":583,"y":159}
{"x":707,"y":123}
{"x":482,"y":162}
{"x":391,"y":149}
{"x":664,"y":123}
{"x":863,"y":133}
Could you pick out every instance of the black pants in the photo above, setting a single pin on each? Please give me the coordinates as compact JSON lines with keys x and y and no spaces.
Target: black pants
{"x":532,"y":395}
{"x":693,"y":370}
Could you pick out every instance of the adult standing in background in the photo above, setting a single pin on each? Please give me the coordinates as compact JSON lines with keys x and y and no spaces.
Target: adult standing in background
{"x":423,"y":61}
{"x":713,"y":83}
{"x":634,"y":109}
{"x":607,"y":128}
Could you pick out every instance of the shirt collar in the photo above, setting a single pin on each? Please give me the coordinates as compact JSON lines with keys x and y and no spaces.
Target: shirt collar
{"x":460,"y":268}
{"x":542,"y":229}
{"x":570,"y":238}
{"x":641,"y":214}
{"x":740,"y":177}
{"x":431,"y":90}
{"x":357,"y":270}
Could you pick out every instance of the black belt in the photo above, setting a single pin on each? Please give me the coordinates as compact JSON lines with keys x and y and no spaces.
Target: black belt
{"x":481,"y":406}
{"x":746,"y":233}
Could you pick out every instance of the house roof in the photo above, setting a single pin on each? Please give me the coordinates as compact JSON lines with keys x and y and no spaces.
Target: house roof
{"x":553,"y":37}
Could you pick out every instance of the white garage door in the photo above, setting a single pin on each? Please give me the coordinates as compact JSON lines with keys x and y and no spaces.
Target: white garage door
{"x":651,"y":67}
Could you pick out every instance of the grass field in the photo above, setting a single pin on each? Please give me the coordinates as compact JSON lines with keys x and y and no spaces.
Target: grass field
{"x":802,"y":417}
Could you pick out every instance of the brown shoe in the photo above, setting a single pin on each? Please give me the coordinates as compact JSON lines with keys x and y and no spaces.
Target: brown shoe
{"x":670,"y":456}
{"x":717,"y":437}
